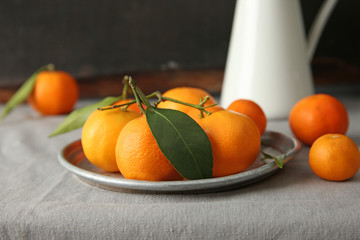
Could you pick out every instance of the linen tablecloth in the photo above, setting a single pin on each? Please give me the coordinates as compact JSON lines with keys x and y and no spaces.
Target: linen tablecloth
{"x":39,"y":199}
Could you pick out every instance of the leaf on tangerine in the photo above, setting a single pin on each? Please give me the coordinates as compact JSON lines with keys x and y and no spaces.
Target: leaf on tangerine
{"x":278,"y":160}
{"x":77,"y":118}
{"x":183,"y":142}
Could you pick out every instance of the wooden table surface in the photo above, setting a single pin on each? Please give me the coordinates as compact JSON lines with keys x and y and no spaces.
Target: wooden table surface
{"x":326,"y":72}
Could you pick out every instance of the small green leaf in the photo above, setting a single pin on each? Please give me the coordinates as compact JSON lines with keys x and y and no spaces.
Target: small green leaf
{"x":77,"y":118}
{"x":23,"y":92}
{"x":279,"y":160}
{"x":183,"y":142}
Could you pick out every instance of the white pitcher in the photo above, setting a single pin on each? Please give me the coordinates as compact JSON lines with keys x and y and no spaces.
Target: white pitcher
{"x":269,"y":59}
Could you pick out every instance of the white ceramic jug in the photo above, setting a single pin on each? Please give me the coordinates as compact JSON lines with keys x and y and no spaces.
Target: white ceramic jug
{"x":269,"y":59}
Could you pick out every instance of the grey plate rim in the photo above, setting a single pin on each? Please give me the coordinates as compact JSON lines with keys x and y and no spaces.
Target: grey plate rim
{"x":201,"y":185}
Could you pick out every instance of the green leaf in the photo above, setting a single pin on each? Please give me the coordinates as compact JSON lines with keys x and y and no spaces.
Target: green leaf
{"x":279,"y":160}
{"x":183,"y":142}
{"x":23,"y":92}
{"x":77,"y":118}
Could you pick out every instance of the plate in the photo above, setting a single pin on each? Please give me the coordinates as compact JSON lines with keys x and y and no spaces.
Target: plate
{"x":73,"y":159}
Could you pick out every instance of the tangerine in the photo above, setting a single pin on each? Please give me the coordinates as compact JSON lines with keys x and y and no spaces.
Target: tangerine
{"x":235,"y":141}
{"x":100,"y":133}
{"x":189,"y":95}
{"x":252,"y":110}
{"x":55,"y":92}
{"x":316,"y":115}
{"x":139,"y":157}
{"x":334,"y":157}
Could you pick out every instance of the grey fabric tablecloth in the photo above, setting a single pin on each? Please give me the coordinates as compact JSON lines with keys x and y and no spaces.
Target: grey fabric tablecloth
{"x":39,"y":199}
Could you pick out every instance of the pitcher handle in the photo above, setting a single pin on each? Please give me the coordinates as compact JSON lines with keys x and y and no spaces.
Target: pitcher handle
{"x":318,"y":25}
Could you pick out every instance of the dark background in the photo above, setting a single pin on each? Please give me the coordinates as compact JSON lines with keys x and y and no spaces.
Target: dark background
{"x":109,"y":37}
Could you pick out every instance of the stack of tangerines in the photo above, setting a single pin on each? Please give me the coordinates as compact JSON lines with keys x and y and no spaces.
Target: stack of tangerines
{"x":111,"y":138}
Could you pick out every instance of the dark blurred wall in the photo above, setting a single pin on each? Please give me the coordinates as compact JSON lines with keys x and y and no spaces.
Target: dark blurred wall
{"x":88,"y":38}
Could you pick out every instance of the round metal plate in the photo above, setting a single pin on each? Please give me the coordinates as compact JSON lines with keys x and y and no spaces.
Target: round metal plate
{"x":73,"y":159}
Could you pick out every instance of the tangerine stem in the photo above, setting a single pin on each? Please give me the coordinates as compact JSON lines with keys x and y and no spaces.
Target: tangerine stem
{"x":139,"y":96}
{"x":140,"y":99}
{"x":117,"y":105}
{"x":200,"y":106}
{"x":154,"y":94}
{"x":50,"y":67}
{"x":125,"y":87}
